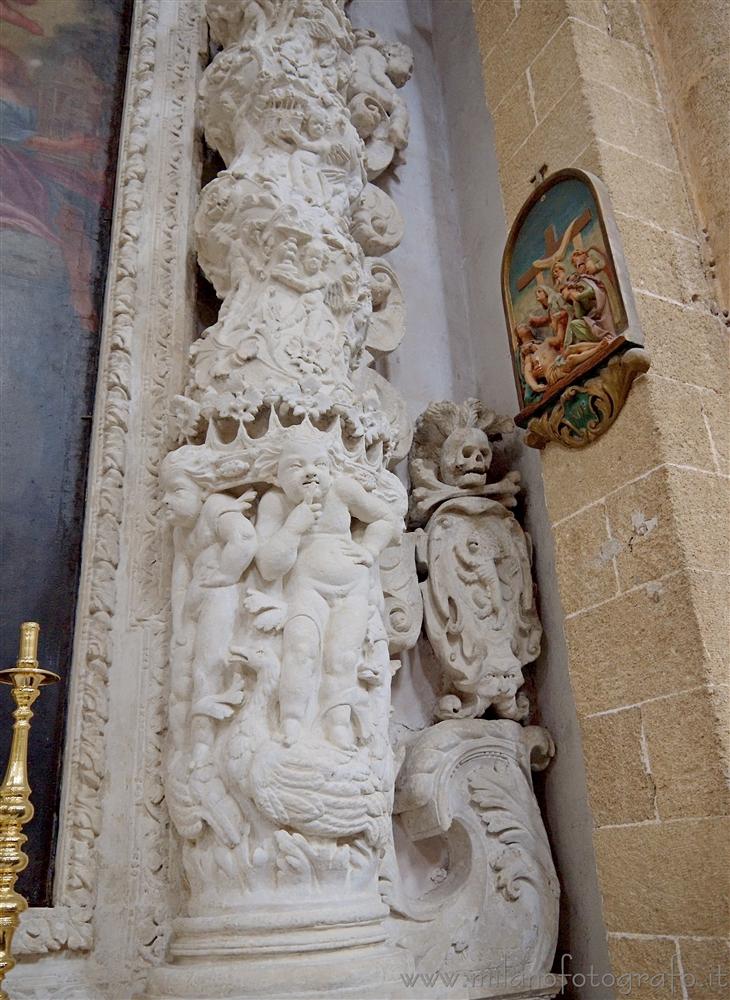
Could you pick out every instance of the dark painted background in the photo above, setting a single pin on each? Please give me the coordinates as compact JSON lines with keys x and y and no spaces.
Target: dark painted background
{"x":62,"y":70}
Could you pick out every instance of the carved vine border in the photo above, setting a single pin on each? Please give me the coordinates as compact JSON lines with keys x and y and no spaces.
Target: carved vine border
{"x":68,"y":924}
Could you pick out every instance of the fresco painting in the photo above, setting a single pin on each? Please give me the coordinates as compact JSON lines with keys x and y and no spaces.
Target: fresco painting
{"x":62,"y":71}
{"x":563,"y":299}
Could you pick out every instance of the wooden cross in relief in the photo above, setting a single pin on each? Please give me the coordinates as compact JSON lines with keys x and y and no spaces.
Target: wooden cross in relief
{"x":552,"y":244}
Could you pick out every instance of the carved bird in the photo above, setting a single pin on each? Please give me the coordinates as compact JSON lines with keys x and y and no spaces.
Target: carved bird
{"x":319,"y":790}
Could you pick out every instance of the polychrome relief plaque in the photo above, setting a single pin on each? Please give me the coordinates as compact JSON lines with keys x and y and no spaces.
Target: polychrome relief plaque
{"x":574,"y":335}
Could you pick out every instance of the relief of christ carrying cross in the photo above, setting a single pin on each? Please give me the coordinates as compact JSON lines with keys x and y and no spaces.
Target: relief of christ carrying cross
{"x":555,"y":249}
{"x":567,"y":302}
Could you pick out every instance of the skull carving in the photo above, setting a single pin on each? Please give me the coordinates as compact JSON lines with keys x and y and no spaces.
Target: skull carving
{"x":466,"y":455}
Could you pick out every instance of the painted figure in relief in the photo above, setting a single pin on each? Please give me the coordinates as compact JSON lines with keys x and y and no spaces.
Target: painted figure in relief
{"x":304,"y":531}
{"x":561,"y":292}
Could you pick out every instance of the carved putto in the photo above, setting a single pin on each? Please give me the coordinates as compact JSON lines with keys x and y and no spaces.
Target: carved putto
{"x":479,"y":608}
{"x":281,"y":656}
{"x":376,"y":108}
{"x":294,"y":581}
{"x":279,"y":777}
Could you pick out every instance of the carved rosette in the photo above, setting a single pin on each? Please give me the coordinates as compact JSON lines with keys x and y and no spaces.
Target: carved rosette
{"x":279,"y":776}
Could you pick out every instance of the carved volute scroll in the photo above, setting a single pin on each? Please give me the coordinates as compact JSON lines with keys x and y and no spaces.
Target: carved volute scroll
{"x":494,"y":911}
{"x":279,"y":776}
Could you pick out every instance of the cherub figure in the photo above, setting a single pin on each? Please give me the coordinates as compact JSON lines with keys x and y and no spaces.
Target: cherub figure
{"x":305,"y":537}
{"x":378,"y":112}
{"x":214,"y":544}
{"x":323,"y":154}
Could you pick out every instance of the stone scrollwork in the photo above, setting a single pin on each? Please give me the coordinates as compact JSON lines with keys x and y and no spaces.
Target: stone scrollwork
{"x":465,"y":785}
{"x":495,"y":909}
{"x":587,"y":409}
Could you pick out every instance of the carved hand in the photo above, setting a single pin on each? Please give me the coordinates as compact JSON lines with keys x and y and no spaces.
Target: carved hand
{"x":303,"y":517}
{"x":358,"y":553}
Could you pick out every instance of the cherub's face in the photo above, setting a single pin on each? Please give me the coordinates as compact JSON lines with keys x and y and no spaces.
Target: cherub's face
{"x":316,"y":126}
{"x":182,"y":499}
{"x":466,"y":455}
{"x":314,"y":257}
{"x":304,"y":471}
{"x":400,"y":64}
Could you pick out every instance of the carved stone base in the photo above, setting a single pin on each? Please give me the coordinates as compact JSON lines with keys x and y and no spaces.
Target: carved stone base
{"x":370,"y":973}
{"x":280,"y":929}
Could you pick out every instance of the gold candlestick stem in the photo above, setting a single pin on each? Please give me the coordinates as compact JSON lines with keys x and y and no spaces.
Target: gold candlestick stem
{"x":26,"y":679}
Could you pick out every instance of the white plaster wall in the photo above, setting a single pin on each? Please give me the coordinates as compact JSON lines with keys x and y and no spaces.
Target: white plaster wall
{"x":456,"y":346}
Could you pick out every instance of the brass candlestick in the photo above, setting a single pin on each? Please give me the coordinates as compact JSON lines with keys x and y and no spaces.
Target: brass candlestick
{"x":26,"y":678}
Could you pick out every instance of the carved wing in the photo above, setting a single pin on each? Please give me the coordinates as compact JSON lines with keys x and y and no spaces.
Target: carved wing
{"x":318,"y":790}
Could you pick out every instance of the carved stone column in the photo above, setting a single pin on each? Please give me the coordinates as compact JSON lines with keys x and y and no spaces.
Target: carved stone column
{"x":279,"y":774}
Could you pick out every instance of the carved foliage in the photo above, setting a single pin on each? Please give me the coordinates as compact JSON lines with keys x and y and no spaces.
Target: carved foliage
{"x":479,"y":608}
{"x":496,"y":904}
{"x":279,"y":772}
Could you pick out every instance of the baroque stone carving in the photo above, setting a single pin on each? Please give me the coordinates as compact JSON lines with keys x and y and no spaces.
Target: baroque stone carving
{"x":279,"y":775}
{"x":479,"y":607}
{"x":494,"y":910}
{"x":376,"y":108}
{"x":488,"y":922}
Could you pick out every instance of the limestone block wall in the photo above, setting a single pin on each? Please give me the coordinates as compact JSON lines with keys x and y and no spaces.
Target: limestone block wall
{"x":640,"y":517}
{"x":690,"y":43}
